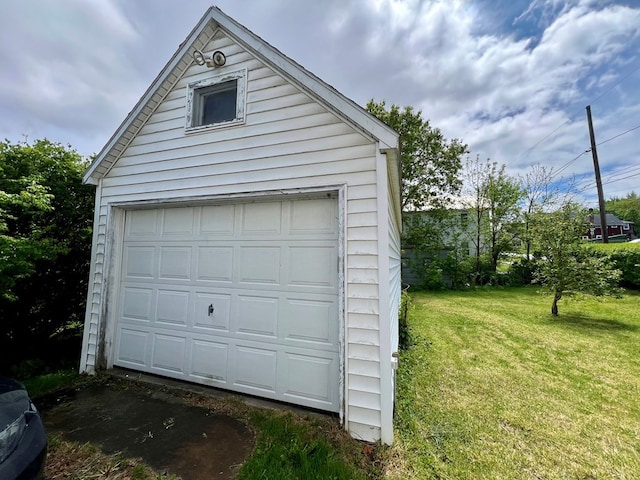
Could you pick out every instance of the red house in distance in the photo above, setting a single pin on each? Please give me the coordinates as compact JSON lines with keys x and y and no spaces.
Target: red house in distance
{"x":615,"y":227}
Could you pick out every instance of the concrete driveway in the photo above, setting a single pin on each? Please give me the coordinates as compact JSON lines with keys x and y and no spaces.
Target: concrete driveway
{"x":155,"y":425}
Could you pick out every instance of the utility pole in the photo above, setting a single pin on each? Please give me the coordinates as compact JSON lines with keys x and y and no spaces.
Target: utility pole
{"x":596,"y":167}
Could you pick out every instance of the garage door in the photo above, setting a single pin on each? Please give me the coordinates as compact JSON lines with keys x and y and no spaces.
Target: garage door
{"x":242,"y":296}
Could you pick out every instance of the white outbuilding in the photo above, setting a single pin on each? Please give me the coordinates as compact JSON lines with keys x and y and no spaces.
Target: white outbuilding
{"x":247,"y":234}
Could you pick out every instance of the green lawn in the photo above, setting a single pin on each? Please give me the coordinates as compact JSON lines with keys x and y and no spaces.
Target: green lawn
{"x":608,"y":247}
{"x":496,"y":388}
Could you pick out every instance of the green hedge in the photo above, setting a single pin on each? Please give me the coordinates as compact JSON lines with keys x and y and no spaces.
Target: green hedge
{"x":626,"y":257}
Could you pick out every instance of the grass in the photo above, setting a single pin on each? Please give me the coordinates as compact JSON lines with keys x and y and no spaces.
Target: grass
{"x":49,"y":382}
{"x":70,"y":460}
{"x":289,"y":447}
{"x":607,"y":247}
{"x":497,"y":388}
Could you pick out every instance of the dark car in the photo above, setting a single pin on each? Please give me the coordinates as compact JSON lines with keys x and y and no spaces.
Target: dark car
{"x":23,"y":441}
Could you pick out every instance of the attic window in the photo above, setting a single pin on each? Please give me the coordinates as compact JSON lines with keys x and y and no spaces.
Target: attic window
{"x":216,"y":101}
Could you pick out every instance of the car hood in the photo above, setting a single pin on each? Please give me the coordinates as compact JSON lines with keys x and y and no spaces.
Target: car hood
{"x":14,"y":401}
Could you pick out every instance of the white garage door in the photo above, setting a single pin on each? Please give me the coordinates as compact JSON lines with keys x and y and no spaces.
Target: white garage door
{"x":242,"y":296}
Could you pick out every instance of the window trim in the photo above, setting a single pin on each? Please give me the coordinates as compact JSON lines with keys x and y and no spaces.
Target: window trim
{"x":241,"y":94}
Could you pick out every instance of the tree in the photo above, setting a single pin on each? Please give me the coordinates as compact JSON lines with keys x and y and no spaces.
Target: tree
{"x":493,"y":197}
{"x":503,"y":199}
{"x":566,"y":268}
{"x":22,"y":242}
{"x":45,"y":241}
{"x":627,"y":208}
{"x":475,"y":201}
{"x":431,"y":167}
{"x":431,"y":164}
{"x":538,"y":195}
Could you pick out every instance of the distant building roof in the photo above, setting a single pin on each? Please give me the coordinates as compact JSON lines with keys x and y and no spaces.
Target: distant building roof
{"x":611,"y":220}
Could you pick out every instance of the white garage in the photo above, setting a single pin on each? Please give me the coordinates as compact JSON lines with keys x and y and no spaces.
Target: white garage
{"x":247,"y":234}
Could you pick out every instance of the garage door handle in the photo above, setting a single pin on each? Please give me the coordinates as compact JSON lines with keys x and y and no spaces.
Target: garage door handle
{"x":210,"y":309}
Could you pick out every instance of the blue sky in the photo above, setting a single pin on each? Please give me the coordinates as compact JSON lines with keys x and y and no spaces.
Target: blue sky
{"x":510,"y":78}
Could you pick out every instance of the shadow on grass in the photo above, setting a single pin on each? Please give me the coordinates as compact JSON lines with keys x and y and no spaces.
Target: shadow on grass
{"x":585,"y":323}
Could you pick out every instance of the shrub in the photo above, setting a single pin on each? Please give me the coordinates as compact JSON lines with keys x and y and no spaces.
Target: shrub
{"x":626,"y":258}
{"x":43,"y":204}
{"x":522,"y":272}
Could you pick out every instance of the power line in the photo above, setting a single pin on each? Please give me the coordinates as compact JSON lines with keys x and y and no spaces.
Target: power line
{"x":622,"y":172}
{"x":563,"y":167}
{"x":619,"y":135}
{"x":523,"y":154}
{"x":613,"y":179}
{"x":620,"y":179}
{"x":616,"y":83}
{"x":627,"y":75}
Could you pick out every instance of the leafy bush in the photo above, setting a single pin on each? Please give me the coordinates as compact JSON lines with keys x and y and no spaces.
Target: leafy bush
{"x":626,"y":258}
{"x":45,"y":242}
{"x":522,"y":272}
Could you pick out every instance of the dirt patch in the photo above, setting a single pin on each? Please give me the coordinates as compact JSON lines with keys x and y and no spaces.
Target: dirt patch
{"x":166,"y":433}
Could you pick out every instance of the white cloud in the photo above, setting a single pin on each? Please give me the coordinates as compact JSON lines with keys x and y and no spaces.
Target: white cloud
{"x":78,"y":67}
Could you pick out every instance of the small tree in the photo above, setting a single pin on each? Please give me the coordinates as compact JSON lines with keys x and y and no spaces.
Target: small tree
{"x":539,"y":193}
{"x":566,"y":268}
{"x":492,"y":198}
{"x":503,"y":197}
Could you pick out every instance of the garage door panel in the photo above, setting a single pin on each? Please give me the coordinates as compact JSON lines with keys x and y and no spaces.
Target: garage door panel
{"x":313,"y":266}
{"x":172,"y":307}
{"x":314,"y":217}
{"x":136,"y":303}
{"x":139,"y":262}
{"x":311,"y":321}
{"x":309,"y":377}
{"x":214,"y":263}
{"x":217,"y":220}
{"x":178,"y":222}
{"x":255,"y":368}
{"x":168,"y":353}
{"x":209,"y":360}
{"x":175,"y":263}
{"x":142,"y":223}
{"x":259,"y":265}
{"x":241,"y":296}
{"x":132,"y":347}
{"x":219,"y":318}
{"x":257,"y":315}
{"x":262,"y":218}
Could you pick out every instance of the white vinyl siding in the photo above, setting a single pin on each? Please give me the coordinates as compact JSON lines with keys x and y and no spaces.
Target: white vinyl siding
{"x":289,"y":141}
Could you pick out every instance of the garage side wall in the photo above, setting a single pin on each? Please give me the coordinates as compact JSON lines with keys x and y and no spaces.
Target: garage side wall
{"x":288,"y":141}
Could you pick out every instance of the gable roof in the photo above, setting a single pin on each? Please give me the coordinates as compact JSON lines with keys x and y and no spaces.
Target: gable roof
{"x":213,"y":20}
{"x":611,"y":220}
